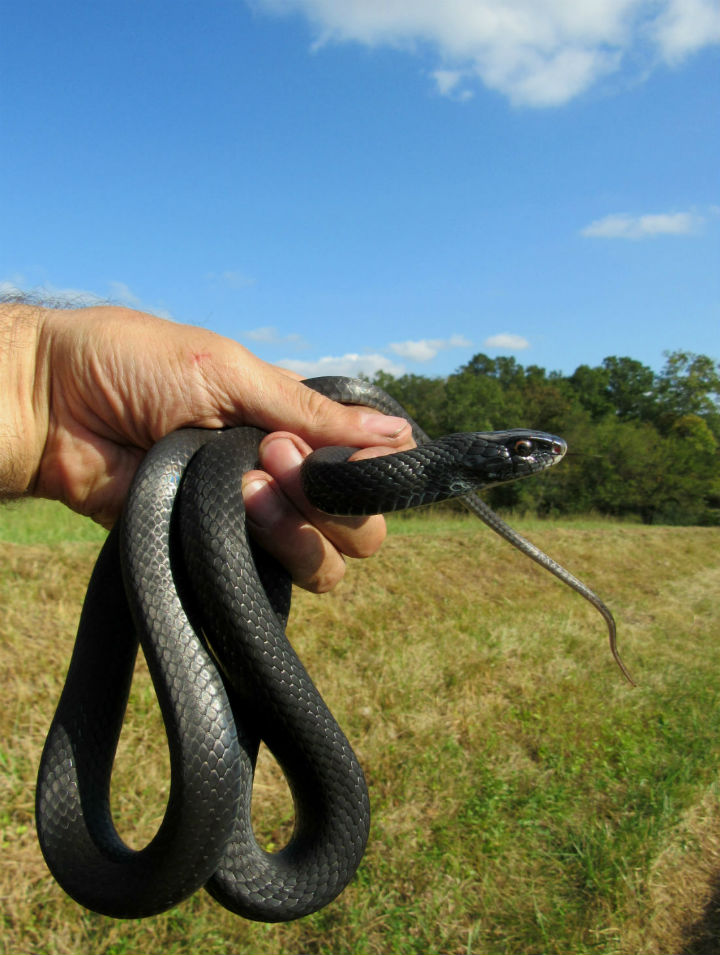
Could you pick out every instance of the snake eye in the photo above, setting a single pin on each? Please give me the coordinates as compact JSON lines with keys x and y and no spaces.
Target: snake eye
{"x":524,"y":447}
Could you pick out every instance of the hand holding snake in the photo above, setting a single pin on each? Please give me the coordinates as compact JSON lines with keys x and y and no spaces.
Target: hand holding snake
{"x":79,"y":410}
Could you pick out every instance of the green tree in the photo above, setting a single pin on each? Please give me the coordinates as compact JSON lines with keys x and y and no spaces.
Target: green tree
{"x":630,"y":388}
{"x":547,"y":404}
{"x":637,"y":469}
{"x":423,"y":398}
{"x":639,"y":443}
{"x":483,"y":395}
{"x":689,"y":384}
{"x":694,"y":480}
{"x":592,"y":389}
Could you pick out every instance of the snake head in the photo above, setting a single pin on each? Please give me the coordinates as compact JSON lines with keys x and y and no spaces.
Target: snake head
{"x":500,"y":456}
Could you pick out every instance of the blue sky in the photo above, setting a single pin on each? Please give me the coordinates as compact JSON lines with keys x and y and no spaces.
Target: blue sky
{"x":347,"y":185}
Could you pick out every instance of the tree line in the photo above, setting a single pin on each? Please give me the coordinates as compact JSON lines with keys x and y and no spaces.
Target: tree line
{"x":639,"y":442}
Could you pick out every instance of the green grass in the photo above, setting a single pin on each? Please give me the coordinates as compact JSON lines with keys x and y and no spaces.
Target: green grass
{"x":525,"y":799}
{"x":34,"y":521}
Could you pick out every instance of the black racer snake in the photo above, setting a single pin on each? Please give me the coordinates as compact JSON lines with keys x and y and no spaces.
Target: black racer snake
{"x":210,"y":612}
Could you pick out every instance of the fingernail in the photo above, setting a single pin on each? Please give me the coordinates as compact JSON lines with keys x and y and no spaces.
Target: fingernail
{"x":385,"y":425}
{"x":263,"y":505}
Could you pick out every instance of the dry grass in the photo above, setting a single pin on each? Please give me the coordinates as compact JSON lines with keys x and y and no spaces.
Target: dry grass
{"x":525,"y":800}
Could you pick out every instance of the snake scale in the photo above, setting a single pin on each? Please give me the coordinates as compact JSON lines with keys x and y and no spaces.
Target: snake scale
{"x":209,"y":609}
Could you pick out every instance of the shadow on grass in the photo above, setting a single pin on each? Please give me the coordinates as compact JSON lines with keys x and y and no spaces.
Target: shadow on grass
{"x":704,"y":933}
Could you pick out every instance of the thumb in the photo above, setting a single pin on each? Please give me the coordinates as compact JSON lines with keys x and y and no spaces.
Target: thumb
{"x":273,"y":400}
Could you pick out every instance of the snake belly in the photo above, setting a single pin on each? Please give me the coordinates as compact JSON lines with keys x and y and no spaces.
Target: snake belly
{"x":180,"y":576}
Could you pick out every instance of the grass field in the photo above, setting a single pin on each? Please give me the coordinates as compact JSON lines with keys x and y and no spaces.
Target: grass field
{"x":525,"y":799}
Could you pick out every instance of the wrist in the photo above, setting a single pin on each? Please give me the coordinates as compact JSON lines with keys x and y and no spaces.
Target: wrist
{"x":23,"y":398}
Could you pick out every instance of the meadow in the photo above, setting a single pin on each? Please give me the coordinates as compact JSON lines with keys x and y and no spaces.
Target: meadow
{"x":525,"y":799}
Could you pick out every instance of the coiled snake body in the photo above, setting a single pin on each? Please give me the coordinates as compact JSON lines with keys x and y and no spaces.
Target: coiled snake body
{"x":210,"y":613}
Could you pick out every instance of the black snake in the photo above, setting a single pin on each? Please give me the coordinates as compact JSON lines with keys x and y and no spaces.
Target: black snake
{"x":209,"y":610}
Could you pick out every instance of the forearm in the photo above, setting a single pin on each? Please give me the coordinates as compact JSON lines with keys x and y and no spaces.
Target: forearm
{"x":23,"y":413}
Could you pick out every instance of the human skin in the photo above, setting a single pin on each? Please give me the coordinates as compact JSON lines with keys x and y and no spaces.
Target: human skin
{"x":86,"y":392}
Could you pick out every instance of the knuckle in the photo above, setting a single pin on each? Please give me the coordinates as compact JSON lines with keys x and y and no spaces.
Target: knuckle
{"x":366,"y":539}
{"x":327,"y":576}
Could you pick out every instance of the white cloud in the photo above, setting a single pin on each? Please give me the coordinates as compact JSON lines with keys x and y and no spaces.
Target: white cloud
{"x":121,"y":292}
{"x":507,"y":341}
{"x":231,"y":278}
{"x":623,"y":226}
{"x":451,"y":83}
{"x":269,"y":335}
{"x":447,"y":80}
{"x":535,"y":52}
{"x":686,"y":26}
{"x":427,"y":348}
{"x":353,"y":364}
{"x":350,"y":365}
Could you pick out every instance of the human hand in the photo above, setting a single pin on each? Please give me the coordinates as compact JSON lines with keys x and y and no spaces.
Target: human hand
{"x":109,"y":382}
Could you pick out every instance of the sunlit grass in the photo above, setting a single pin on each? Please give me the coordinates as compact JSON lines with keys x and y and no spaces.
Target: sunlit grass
{"x":35,"y":521}
{"x":525,"y":799}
